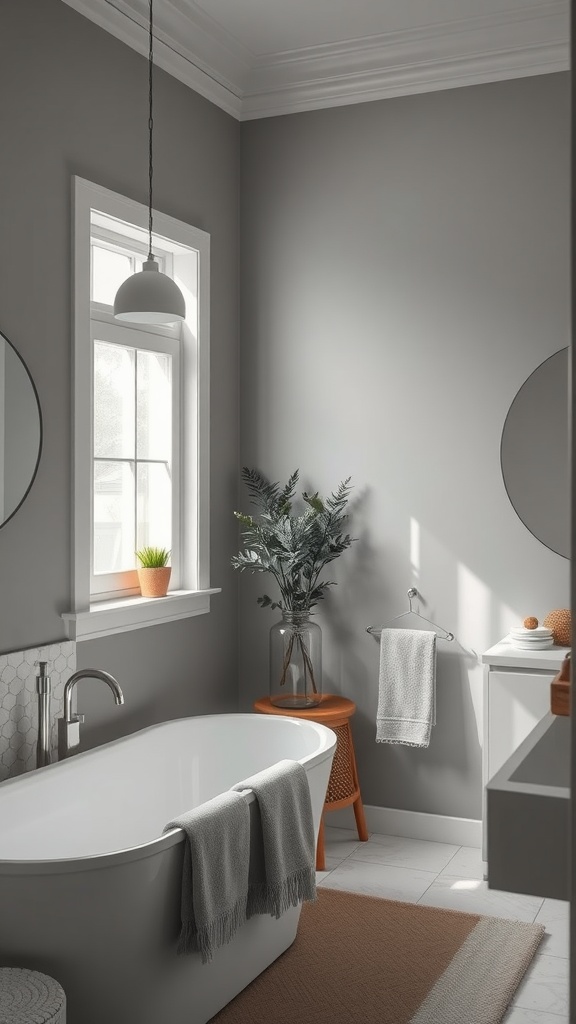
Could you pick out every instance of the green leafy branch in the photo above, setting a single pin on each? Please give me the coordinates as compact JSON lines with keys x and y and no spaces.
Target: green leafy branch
{"x":293,"y":548}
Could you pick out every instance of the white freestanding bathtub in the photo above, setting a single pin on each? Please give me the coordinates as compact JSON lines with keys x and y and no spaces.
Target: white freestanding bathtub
{"x":90,"y":888}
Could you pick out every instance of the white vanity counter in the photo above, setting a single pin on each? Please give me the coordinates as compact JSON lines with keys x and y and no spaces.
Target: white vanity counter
{"x":504,"y":655}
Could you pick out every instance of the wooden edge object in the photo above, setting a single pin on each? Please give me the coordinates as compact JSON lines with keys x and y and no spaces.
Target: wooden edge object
{"x":560,"y":690}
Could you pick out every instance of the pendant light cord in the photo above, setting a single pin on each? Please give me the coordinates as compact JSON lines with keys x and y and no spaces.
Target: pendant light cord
{"x":150,"y":127}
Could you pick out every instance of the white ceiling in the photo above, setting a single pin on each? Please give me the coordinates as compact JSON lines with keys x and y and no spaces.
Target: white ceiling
{"x":273,"y":26}
{"x":260,"y":58}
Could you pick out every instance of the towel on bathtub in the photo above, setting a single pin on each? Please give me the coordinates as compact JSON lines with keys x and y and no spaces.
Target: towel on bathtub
{"x":214,"y":872}
{"x":407,"y":687}
{"x":285,"y":874}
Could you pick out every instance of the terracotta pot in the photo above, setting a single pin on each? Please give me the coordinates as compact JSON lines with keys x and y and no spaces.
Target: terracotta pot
{"x":154,"y":582}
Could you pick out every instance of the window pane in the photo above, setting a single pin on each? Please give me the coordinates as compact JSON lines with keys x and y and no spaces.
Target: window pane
{"x":154,"y":506}
{"x":109,"y":270}
{"x":154,"y":374}
{"x":114,"y":541}
{"x":114,"y":426}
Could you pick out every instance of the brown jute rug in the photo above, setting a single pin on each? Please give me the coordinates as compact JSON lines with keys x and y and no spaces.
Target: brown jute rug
{"x":364,"y":960}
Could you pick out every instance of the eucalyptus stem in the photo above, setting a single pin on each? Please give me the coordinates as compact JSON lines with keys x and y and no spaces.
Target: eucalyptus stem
{"x":307,"y":663}
{"x":312,"y":584}
{"x":306,"y":660}
{"x":287,"y":660}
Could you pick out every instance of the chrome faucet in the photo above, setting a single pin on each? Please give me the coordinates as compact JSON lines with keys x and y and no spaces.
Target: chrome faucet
{"x":69,"y":725}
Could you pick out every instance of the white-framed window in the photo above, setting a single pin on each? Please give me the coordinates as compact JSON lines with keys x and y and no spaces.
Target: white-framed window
{"x":140,"y":419}
{"x":135,"y":454}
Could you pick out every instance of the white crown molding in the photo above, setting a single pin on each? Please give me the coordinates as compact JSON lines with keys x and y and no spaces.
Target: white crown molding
{"x":208,"y":34}
{"x":492,"y":47}
{"x":121,"y":20}
{"x":320,"y":95}
{"x":195,"y":49}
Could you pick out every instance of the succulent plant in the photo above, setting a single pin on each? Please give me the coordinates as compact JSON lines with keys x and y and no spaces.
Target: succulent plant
{"x":153,"y":558}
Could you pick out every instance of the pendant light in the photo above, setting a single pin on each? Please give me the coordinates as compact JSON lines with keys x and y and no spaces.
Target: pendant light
{"x":149,"y":297}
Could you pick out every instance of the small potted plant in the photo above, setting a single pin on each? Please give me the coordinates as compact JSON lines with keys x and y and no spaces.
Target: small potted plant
{"x":153,"y":571}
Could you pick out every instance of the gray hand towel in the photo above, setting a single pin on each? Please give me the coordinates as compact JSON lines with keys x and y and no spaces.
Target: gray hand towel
{"x":288,"y":875}
{"x":214,"y":872}
{"x":407,"y":687}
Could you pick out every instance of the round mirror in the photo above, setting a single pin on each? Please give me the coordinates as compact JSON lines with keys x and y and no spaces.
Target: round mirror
{"x":20,"y":430}
{"x":534,"y":453}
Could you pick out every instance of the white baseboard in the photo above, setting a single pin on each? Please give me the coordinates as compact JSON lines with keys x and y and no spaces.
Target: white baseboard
{"x":439,"y":828}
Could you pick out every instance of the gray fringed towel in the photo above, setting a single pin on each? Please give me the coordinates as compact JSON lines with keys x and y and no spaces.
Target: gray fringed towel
{"x":406,"y":687}
{"x":214,"y":872}
{"x":287,"y":876}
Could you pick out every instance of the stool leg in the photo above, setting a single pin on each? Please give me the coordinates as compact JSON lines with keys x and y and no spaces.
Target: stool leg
{"x":357,"y":805}
{"x":360,"y":819}
{"x":320,"y":854}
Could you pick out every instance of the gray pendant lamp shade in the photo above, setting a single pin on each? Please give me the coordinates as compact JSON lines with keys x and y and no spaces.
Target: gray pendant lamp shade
{"x":149,"y":297}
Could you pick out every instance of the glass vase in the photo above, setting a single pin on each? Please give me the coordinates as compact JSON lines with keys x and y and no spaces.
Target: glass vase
{"x":295,"y":661}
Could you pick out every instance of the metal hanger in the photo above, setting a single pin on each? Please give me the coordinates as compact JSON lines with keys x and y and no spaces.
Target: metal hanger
{"x":376,"y":631}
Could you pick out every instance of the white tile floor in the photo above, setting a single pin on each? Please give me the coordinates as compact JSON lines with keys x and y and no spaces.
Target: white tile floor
{"x":441,"y":875}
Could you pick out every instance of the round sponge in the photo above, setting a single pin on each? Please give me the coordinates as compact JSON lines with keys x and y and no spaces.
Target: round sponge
{"x":560,"y":622}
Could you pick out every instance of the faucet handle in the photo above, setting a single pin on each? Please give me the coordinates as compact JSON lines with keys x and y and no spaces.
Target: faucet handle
{"x":68,"y":735}
{"x":42,"y":679}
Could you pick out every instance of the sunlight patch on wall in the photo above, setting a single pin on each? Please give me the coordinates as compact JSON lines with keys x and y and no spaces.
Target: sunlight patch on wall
{"x":415,"y":550}
{"x":508,"y":617}
{"x":474,"y":630}
{"x":474,"y":609}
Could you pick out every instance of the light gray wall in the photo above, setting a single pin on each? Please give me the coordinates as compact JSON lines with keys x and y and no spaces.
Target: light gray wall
{"x":74,"y":101}
{"x":405,"y":267}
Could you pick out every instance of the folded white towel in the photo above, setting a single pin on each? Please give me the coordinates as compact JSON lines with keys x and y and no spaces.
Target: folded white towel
{"x":407,"y":687}
{"x":214,"y":872}
{"x":286,"y":874}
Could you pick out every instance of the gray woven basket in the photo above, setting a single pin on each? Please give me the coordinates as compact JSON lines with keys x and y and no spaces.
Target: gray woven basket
{"x":29,"y":997}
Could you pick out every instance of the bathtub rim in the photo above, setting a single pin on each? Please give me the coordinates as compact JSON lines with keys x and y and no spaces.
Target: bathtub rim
{"x":99,"y":861}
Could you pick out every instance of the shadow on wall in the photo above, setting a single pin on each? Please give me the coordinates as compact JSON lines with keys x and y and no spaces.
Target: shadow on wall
{"x":444,"y":778}
{"x":105,"y":722}
{"x":94,"y":734}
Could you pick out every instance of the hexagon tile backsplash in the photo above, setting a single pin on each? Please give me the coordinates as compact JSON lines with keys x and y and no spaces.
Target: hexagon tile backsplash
{"x":19,"y":702}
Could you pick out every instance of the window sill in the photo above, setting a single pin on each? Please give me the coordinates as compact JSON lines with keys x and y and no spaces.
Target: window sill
{"x":118,"y":616}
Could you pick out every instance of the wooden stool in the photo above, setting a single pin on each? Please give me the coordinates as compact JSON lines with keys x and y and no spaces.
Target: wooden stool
{"x":343,"y":785}
{"x":27,"y":996}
